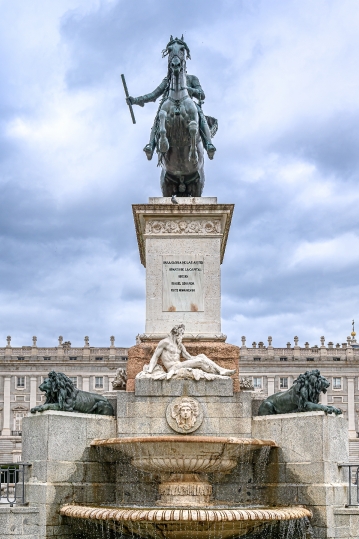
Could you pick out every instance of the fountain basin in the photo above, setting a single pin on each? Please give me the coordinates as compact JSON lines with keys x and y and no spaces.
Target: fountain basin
{"x":182,"y":462}
{"x":185,"y":523}
{"x":184,"y":454}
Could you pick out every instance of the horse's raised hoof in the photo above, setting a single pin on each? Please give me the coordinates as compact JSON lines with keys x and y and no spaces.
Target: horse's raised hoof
{"x":148,"y":151}
{"x":163,"y":144}
{"x":211,"y":150}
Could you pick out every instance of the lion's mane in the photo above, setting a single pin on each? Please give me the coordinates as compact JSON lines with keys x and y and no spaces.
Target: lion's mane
{"x":308,"y":387}
{"x":62,"y":388}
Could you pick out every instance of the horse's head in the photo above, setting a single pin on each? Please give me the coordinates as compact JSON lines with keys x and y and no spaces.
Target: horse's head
{"x":177,"y":51}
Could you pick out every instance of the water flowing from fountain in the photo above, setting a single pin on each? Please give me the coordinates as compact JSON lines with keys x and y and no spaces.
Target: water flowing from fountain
{"x":179,"y":467}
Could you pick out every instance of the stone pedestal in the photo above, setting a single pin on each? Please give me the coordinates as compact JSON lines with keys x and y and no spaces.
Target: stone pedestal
{"x":304,"y":469}
{"x":182,"y":246}
{"x":64,"y":466}
{"x":144,"y":412}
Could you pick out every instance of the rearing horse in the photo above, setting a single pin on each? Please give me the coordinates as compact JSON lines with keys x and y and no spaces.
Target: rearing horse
{"x":180,"y":126}
{"x":179,"y":141}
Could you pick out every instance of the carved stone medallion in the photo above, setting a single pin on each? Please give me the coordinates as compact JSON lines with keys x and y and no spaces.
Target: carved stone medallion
{"x":184,"y":415}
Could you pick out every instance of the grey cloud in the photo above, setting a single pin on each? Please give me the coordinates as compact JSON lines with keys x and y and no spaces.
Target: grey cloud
{"x":331,"y":143}
{"x":122,"y":34}
{"x":70,"y":264}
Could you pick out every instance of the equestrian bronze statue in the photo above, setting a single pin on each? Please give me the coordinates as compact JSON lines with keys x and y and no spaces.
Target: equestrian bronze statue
{"x":181,"y":132}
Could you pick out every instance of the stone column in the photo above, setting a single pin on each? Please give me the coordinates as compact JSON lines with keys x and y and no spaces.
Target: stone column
{"x":85,"y":383}
{"x":6,"y":431}
{"x":33,"y":388}
{"x":270,"y":380}
{"x":351,"y":408}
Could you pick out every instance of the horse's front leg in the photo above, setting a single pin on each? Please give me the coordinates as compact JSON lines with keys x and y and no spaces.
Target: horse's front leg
{"x":163,"y":144}
{"x":193,"y":130}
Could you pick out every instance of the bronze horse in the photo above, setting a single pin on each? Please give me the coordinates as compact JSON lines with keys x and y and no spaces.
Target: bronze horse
{"x":180,"y":132}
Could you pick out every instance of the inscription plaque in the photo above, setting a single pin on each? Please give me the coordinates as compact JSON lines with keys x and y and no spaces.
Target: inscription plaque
{"x":182,"y":283}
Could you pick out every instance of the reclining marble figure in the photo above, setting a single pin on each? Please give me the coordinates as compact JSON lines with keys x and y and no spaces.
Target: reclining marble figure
{"x":169,"y":350}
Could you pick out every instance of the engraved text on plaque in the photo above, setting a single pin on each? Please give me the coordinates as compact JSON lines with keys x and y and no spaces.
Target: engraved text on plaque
{"x":182,"y":283}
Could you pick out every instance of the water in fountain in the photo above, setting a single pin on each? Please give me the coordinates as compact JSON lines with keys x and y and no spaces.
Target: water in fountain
{"x":185,"y":509}
{"x":92,"y":529}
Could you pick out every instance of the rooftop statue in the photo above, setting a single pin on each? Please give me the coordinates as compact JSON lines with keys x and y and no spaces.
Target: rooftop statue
{"x":169,"y":351}
{"x":180,"y":131}
{"x":303,"y":396}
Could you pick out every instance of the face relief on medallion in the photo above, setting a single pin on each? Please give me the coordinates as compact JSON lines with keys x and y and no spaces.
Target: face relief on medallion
{"x":182,"y":283}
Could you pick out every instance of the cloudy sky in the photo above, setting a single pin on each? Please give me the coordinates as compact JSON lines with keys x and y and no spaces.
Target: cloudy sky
{"x":282,"y":78}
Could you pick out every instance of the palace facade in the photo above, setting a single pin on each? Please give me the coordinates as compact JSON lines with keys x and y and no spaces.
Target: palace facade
{"x":274,"y":369}
{"x":23,"y":369}
{"x":94,"y":369}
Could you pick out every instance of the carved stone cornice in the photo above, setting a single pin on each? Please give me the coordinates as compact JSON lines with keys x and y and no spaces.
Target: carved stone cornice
{"x":183,"y":226}
{"x":191,"y":220}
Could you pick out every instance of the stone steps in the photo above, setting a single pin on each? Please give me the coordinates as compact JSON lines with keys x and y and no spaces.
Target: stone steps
{"x":354,"y":451}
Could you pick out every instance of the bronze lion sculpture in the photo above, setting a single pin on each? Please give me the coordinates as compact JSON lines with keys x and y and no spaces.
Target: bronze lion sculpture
{"x":303,"y":396}
{"x":62,"y":395}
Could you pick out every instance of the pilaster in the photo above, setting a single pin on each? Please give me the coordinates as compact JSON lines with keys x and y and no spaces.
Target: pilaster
{"x":351,"y":407}
{"x":33,"y":388}
{"x":6,"y":431}
{"x":270,"y":380}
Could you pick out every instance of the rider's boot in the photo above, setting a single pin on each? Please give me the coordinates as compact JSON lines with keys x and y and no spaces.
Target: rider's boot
{"x":210,"y":149}
{"x":149,"y":149}
{"x":206,"y":135}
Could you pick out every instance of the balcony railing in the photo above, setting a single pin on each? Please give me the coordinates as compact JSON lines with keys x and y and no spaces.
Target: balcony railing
{"x":12,"y":483}
{"x":16,"y":433}
{"x":353,"y":483}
